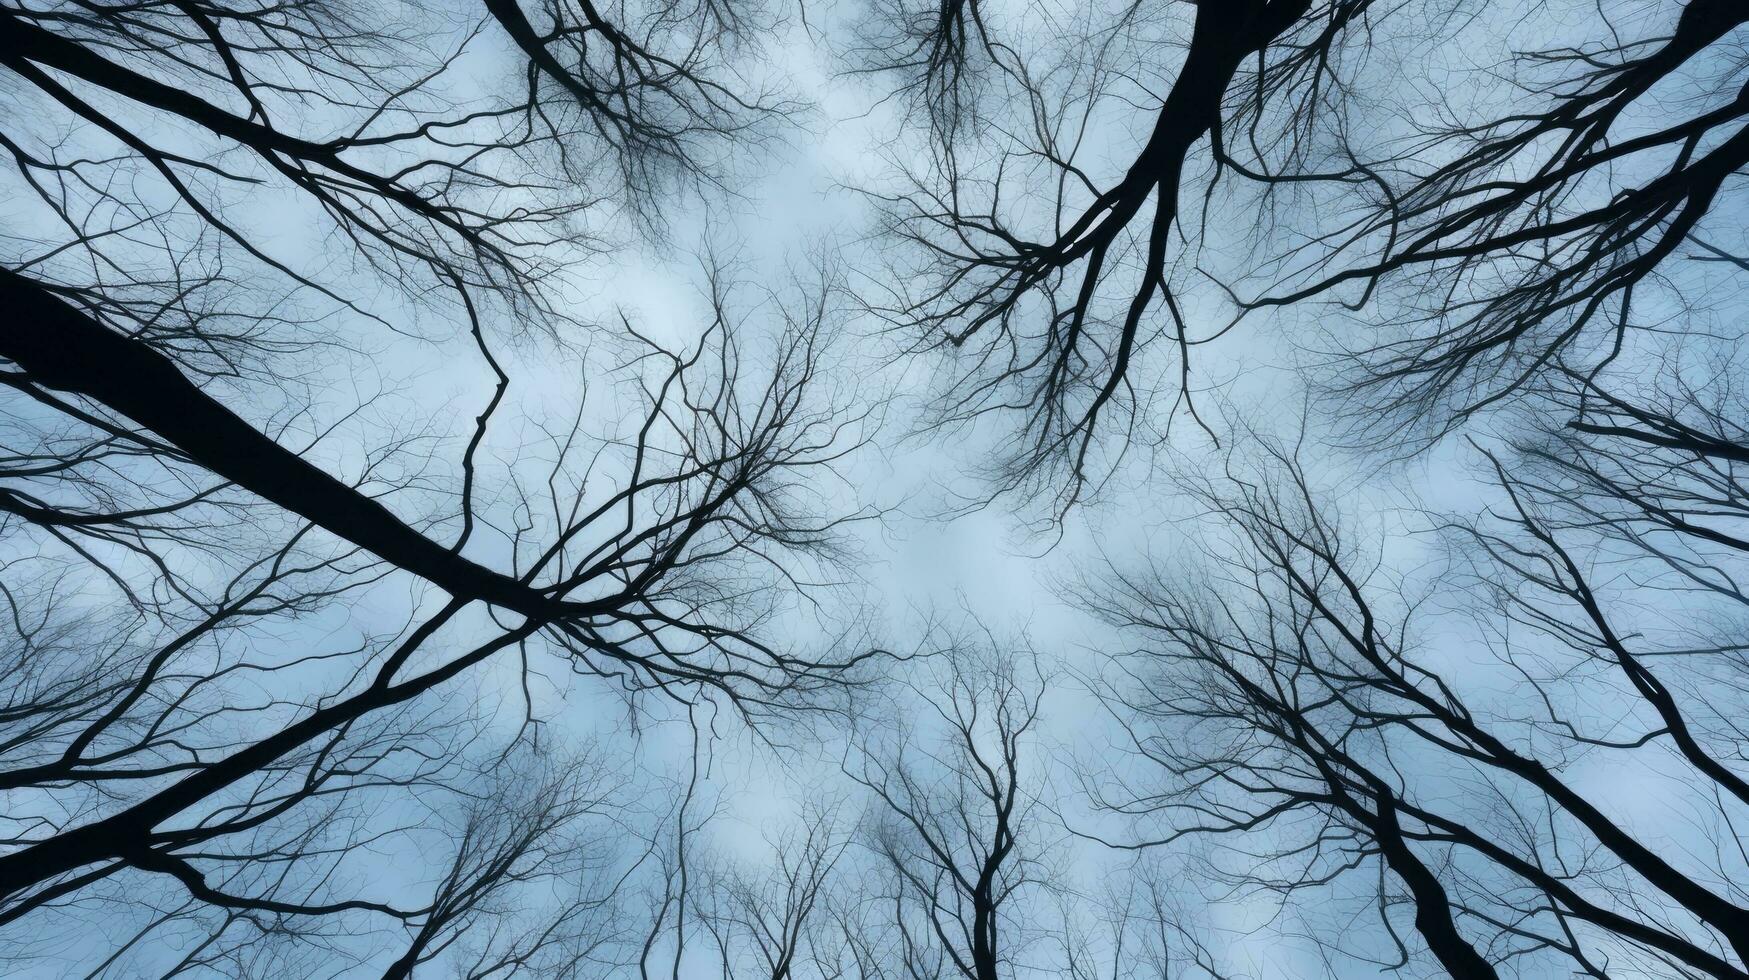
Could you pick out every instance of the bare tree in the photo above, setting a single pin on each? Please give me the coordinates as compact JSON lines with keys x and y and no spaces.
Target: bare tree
{"x":1473,"y":229}
{"x":1288,"y":700}
{"x":1543,"y":229}
{"x":954,"y":810}
{"x":283,"y":646}
{"x":1055,"y":276}
{"x":1134,"y":925}
{"x":183,"y":706}
{"x":770,"y":921}
{"x":658,"y":84}
{"x":969,"y":871}
{"x":532,"y":888}
{"x":141,"y":733}
{"x":938,"y":53}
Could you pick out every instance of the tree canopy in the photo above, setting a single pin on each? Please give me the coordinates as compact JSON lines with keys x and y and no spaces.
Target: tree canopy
{"x":872,"y":489}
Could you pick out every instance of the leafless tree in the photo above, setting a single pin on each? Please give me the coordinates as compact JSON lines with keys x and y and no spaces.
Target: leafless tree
{"x":967,"y":871}
{"x":953,"y":815}
{"x":1291,"y":700}
{"x":283,"y":647}
{"x":769,"y":920}
{"x":658,"y":84}
{"x":533,"y":886}
{"x":641,"y":554}
{"x":936,"y":51}
{"x":1475,"y":227}
{"x":1054,"y":276}
{"x":1133,"y":926}
{"x":1562,"y":216}
{"x":185,"y":715}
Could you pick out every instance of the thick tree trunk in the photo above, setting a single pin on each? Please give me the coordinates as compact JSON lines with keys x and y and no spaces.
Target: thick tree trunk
{"x":61,"y":347}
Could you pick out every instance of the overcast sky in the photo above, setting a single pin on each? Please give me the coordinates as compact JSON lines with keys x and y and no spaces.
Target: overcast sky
{"x":943,"y":560}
